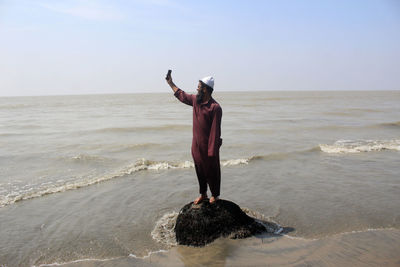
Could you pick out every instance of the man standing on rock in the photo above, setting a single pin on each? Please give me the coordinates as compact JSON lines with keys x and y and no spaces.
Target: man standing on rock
{"x":207,"y":114}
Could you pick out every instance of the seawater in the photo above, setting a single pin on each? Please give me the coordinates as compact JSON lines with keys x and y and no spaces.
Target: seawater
{"x":103,"y":176}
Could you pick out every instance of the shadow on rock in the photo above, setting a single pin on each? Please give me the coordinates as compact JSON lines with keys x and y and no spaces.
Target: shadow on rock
{"x":198,"y":225}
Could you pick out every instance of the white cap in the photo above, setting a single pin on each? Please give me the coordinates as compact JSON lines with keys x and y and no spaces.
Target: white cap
{"x":209,"y":80}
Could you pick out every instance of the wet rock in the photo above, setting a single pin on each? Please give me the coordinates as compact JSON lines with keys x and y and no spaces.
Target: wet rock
{"x":198,"y":225}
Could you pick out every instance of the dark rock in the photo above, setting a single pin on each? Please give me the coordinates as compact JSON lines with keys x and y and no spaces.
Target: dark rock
{"x":198,"y":225}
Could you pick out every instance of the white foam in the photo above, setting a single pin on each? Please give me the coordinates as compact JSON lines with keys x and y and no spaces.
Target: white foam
{"x":366,"y":230}
{"x":298,"y":238}
{"x":164,"y":232}
{"x":233,"y":162}
{"x":254,"y":214}
{"x":74,"y":261}
{"x":340,"y":234}
{"x":87,"y":157}
{"x":270,"y":225}
{"x":358,"y":146}
{"x":148,"y":255}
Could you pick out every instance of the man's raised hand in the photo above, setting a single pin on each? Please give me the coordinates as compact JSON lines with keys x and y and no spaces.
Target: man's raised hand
{"x":170,"y":82}
{"x":168,"y":77}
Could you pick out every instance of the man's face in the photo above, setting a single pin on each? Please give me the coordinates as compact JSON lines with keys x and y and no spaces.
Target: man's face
{"x":200,"y":88}
{"x":200,"y":93}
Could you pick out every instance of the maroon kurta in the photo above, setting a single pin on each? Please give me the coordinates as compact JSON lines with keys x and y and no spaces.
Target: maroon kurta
{"x":206,"y":141}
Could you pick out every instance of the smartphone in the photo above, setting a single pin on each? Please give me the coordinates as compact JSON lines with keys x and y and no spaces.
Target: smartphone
{"x":168,"y":74}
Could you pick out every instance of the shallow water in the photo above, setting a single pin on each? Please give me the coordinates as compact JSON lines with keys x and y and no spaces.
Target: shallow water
{"x":89,"y":177}
{"x":369,"y":248}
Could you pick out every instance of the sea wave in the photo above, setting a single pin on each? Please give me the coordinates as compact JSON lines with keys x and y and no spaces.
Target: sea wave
{"x":364,"y":110}
{"x":140,"y":165}
{"x":358,"y":146}
{"x":15,"y":106}
{"x":352,"y":112}
{"x":395,"y":124}
{"x":132,"y":147}
{"x":336,"y":127}
{"x":14,"y":134}
{"x":113,"y":147}
{"x":87,"y":158}
{"x":135,"y":129}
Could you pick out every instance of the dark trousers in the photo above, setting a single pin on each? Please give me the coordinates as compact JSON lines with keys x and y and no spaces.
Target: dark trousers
{"x":209,"y":172}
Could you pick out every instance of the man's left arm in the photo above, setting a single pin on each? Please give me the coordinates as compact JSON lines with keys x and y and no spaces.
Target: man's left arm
{"x":214,"y":140}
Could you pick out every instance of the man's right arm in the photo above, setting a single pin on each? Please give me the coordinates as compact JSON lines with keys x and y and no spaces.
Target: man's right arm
{"x":173,"y":86}
{"x":171,"y":83}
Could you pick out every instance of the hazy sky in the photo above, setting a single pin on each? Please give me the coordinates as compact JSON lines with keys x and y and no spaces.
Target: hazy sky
{"x":83,"y":46}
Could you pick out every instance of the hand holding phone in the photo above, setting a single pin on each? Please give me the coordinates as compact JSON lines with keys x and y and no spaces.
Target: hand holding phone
{"x":168,"y":77}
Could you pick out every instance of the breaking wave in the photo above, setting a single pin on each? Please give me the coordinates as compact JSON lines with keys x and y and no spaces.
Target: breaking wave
{"x":339,"y":147}
{"x":358,"y":146}
{"x":164,"y":232}
{"x":139,"y":165}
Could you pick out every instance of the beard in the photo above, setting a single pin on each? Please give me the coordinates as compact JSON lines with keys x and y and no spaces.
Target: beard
{"x":199,"y":97}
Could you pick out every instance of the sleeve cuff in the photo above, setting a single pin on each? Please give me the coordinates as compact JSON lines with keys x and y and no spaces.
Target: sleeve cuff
{"x":177,"y":91}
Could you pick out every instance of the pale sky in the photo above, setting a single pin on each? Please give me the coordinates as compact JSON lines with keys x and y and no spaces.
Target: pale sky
{"x":50,"y":47}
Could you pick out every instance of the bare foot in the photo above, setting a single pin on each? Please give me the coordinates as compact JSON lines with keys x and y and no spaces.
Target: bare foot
{"x":213,"y":200}
{"x":199,"y":199}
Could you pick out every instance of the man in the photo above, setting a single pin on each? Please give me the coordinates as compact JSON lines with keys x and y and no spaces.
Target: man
{"x":207,"y":114}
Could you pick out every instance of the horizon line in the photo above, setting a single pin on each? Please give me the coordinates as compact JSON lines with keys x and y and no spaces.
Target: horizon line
{"x":222,"y":91}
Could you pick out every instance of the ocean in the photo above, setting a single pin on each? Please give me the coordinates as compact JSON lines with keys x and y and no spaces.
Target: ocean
{"x":98,"y":180}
